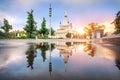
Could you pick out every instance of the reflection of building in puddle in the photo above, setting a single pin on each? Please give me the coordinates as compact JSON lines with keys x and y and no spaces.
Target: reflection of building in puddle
{"x":79,"y":47}
{"x":65,"y":50}
{"x":66,"y":53}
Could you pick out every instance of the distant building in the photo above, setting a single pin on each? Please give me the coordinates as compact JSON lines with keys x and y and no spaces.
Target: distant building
{"x":97,"y":33}
{"x":19,"y":33}
{"x":64,"y":28}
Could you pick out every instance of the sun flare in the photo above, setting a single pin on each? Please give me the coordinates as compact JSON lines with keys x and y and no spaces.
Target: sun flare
{"x":80,"y":30}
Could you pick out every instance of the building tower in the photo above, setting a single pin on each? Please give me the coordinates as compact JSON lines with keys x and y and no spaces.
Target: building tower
{"x":65,"y":20}
{"x":64,"y":28}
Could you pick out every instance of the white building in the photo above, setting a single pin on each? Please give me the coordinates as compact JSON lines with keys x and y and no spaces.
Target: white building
{"x":64,"y":28}
{"x":97,"y":33}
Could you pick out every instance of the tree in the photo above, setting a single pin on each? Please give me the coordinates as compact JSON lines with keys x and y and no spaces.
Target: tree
{"x":6,"y":27}
{"x":91,"y":27}
{"x":88,"y":31}
{"x":52,"y":32}
{"x":43,"y":47}
{"x":68,"y":35}
{"x":43,"y":30}
{"x":30,"y":27}
{"x":117,"y":23}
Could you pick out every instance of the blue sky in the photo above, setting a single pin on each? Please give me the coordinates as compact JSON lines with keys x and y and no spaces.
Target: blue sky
{"x":80,"y":12}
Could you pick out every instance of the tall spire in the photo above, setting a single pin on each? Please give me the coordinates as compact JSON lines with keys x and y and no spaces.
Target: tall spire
{"x":65,"y":13}
{"x":65,"y":20}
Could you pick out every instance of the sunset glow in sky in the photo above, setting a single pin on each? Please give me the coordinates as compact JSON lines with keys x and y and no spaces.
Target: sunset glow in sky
{"x":80,"y":12}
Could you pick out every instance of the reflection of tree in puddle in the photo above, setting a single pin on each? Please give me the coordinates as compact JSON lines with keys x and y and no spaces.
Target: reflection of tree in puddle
{"x":31,"y":54}
{"x":108,"y":51}
{"x":43,"y":47}
{"x":66,"y":50}
{"x":68,"y":44}
{"x":89,"y":48}
{"x":52,"y":47}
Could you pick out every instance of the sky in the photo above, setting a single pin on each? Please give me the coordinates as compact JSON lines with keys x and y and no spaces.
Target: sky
{"x":80,"y":12}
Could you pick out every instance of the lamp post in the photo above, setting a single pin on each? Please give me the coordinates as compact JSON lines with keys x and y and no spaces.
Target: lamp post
{"x":50,"y":15}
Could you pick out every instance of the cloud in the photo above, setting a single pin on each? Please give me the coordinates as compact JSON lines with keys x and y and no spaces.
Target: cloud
{"x":6,"y":16}
{"x":13,"y":20}
{"x":81,"y":2}
{"x":29,"y":3}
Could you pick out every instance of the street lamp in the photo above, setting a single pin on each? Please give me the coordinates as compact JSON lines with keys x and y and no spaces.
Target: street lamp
{"x":50,"y":15}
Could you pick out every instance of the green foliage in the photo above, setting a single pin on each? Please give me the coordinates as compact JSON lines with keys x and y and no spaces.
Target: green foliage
{"x":117,"y":23}
{"x":43,"y":30}
{"x":52,"y":32}
{"x":6,"y":27}
{"x":68,"y":35}
{"x":3,"y":35}
{"x":22,"y":37}
{"x":91,"y":27}
{"x":6,"y":35}
{"x":30,"y":27}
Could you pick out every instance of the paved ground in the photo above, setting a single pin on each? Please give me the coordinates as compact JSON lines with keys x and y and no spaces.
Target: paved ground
{"x":46,"y":40}
{"x":116,"y":40}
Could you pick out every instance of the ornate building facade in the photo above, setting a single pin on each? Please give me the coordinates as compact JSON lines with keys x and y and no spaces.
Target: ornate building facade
{"x":64,"y":28}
